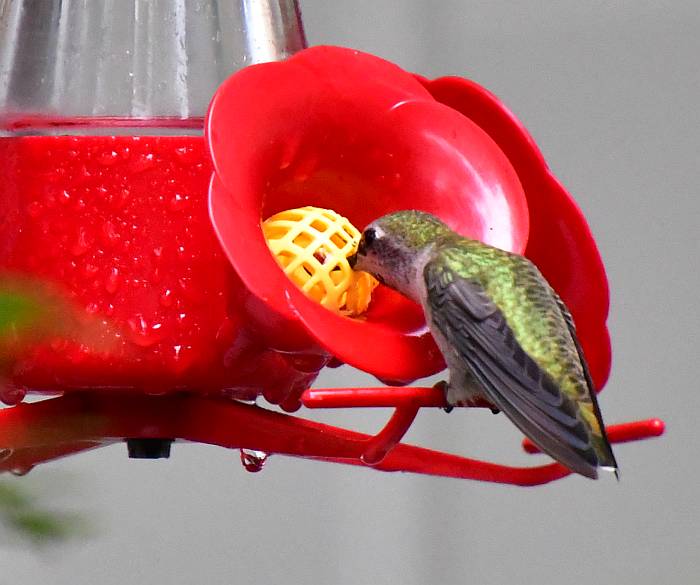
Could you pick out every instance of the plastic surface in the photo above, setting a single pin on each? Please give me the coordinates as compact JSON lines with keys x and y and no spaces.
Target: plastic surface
{"x":287,"y":134}
{"x":63,"y":426}
{"x":560,"y":241}
{"x":312,"y":245}
{"x":132,"y":59}
{"x":120,"y":226}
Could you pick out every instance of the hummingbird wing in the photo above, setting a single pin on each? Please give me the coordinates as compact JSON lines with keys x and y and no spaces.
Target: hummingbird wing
{"x":604,"y":450}
{"x":475,"y":327}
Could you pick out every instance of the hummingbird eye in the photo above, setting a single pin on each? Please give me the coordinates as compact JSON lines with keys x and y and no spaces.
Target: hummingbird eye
{"x":370,"y":236}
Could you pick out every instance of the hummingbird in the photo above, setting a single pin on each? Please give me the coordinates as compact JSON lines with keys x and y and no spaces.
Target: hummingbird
{"x":506,"y":336}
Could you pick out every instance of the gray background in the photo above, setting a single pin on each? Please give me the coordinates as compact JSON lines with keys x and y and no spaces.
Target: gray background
{"x":610,"y":90}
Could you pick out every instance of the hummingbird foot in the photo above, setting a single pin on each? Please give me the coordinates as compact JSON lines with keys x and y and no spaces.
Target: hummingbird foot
{"x":473,"y":401}
{"x":443,"y":387}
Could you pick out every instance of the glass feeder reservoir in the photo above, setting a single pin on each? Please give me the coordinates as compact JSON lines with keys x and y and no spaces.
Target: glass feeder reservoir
{"x":103,"y":203}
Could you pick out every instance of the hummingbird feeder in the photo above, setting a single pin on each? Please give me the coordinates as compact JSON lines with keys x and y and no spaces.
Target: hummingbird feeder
{"x":187,"y":253}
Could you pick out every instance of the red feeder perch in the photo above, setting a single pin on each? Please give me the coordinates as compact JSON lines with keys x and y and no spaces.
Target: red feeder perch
{"x":165,"y":330}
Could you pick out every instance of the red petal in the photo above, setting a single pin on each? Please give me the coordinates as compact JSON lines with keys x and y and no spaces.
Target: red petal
{"x":340,"y":129}
{"x":560,"y":240}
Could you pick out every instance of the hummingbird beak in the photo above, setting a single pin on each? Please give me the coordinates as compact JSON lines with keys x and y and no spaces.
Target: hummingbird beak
{"x":352,"y":260}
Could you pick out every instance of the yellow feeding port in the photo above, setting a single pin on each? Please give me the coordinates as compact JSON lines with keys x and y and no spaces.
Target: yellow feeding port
{"x":312,"y":245}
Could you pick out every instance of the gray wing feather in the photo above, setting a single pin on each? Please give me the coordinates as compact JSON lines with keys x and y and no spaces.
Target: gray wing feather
{"x":468,"y":319}
{"x":608,"y":456}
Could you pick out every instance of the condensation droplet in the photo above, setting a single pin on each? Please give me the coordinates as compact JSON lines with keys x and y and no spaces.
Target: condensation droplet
{"x":113,"y":280}
{"x":110,"y":235}
{"x":289,"y":152}
{"x":11,"y":394}
{"x":253,"y":461}
{"x":81,"y":243}
{"x":143,"y":333}
{"x":120,"y":198}
{"x":143,"y":163}
{"x":20,"y":471}
{"x":178,"y":202}
{"x":166,"y":298}
{"x":156,"y":275}
{"x":186,"y":154}
{"x":64,"y":197}
{"x":78,"y":354}
{"x":89,"y":269}
{"x":108,"y":158}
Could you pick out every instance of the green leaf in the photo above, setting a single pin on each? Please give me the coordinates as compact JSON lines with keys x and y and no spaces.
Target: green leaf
{"x":17,"y":311}
{"x":23,"y":518}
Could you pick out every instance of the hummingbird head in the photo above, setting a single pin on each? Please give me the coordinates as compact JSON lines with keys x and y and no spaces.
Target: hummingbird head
{"x":392,"y":247}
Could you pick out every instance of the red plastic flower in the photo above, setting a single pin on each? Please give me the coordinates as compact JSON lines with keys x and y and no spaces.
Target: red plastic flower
{"x":341,"y":129}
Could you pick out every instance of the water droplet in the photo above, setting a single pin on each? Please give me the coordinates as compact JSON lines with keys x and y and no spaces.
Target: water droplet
{"x":110,"y":235}
{"x":20,"y":471}
{"x":167,"y":298}
{"x":11,"y":395}
{"x":81,"y":243}
{"x":108,"y":158}
{"x":119,"y":198}
{"x":178,"y":202}
{"x":291,"y":403}
{"x":113,"y":280}
{"x":142,"y":163}
{"x":92,"y":308}
{"x":289,"y":152}
{"x":84,"y":173}
{"x":64,"y":197}
{"x":143,"y":333}
{"x":253,"y":461}
{"x":89,"y":269}
{"x":186,"y":154}
{"x":78,"y":354}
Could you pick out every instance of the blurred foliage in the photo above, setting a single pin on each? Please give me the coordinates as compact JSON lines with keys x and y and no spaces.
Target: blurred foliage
{"x":16,"y":311}
{"x":23,"y":319}
{"x":33,"y":313}
{"x":22,"y":313}
{"x":22,"y":517}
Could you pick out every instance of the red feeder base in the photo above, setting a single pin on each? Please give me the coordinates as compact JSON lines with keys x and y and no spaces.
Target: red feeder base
{"x":34,"y":433}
